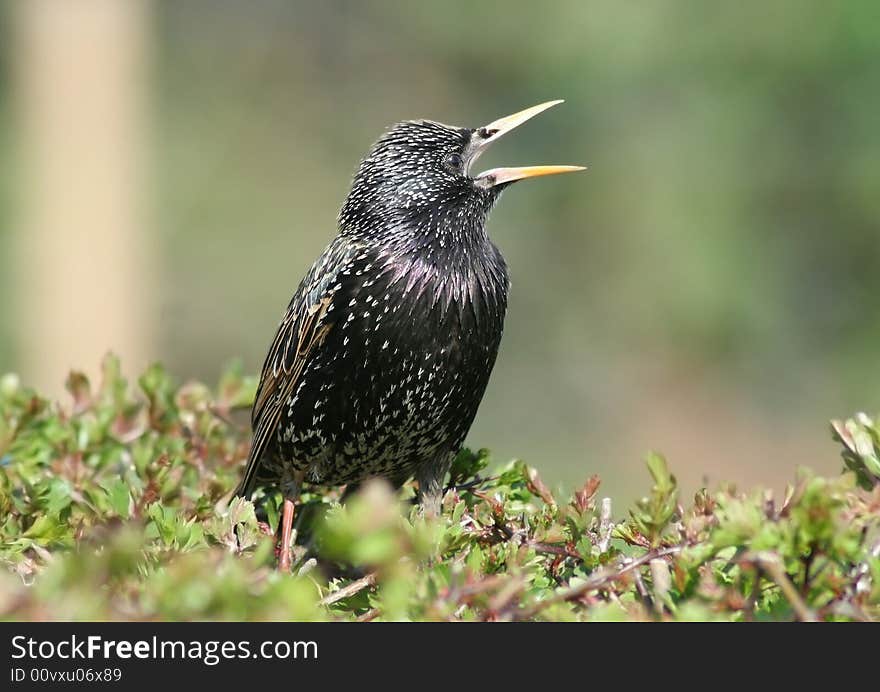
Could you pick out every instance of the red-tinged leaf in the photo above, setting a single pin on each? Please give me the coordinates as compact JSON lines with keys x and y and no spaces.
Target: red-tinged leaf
{"x":80,"y":389}
{"x":583,"y":498}
{"x":129,"y":425}
{"x":536,"y":487}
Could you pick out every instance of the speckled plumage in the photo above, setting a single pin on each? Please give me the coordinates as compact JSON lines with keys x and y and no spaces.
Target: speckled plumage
{"x":385,"y":351}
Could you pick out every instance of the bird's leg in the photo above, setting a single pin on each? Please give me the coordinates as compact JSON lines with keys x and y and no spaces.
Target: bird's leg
{"x":430,"y":478}
{"x":290,"y":487}
{"x":286,"y":530}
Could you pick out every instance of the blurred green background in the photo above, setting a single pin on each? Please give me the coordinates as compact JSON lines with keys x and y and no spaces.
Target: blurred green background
{"x":709,"y":288}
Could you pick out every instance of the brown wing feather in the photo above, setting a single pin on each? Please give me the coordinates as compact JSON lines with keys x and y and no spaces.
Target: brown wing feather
{"x":281,"y":372}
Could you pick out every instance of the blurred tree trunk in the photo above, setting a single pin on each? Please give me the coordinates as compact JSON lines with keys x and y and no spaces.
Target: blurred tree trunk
{"x":84,"y":263}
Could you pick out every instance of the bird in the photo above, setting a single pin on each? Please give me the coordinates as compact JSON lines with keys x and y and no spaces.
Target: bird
{"x":383,"y":355}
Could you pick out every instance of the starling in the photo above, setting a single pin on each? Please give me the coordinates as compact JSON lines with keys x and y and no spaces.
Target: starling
{"x":381,"y":360}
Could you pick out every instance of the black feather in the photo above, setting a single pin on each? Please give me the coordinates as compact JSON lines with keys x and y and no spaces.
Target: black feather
{"x":385,"y":351}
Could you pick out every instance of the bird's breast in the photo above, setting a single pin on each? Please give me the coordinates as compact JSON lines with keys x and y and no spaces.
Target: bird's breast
{"x":402,"y":370}
{"x":449,"y":315}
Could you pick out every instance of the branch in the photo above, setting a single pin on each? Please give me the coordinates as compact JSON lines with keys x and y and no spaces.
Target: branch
{"x":351,"y":589}
{"x":476,"y":481}
{"x":554,"y":549}
{"x":772,"y":565}
{"x":370,"y":615}
{"x":222,"y":415}
{"x":662,"y":583}
{"x":599,"y":579}
{"x":605,"y":525}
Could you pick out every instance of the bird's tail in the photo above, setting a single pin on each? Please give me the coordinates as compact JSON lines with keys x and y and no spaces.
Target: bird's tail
{"x":249,"y":479}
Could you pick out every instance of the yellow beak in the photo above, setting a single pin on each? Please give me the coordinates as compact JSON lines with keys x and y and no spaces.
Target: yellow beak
{"x":497,"y":129}
{"x":496,"y":176}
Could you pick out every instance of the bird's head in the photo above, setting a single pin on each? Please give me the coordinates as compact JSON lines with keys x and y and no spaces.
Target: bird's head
{"x":419,"y":176}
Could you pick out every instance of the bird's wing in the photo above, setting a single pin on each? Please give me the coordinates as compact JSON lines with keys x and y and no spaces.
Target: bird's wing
{"x":302,"y":330}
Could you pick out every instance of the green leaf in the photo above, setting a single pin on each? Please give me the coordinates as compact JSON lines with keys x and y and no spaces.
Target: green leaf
{"x":119,"y":497}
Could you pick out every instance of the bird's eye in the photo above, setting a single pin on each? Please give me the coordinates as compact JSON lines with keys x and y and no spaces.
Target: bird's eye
{"x":454,"y":161}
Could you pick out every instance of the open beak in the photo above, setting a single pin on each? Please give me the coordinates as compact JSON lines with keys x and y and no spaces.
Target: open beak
{"x":497,"y":129}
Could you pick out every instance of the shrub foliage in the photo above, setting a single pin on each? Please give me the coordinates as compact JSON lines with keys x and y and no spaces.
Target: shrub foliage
{"x":115,"y":505}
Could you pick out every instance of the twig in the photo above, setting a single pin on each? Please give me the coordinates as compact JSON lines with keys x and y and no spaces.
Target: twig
{"x":807,"y":562}
{"x":369,"y":616}
{"x":860,"y":584}
{"x":752,"y":601}
{"x":605,"y":525}
{"x":553,"y":549}
{"x":222,"y":415}
{"x":662,"y":583}
{"x":597,"y":581}
{"x":642,"y":590}
{"x":772,"y":565}
{"x":350,"y":590}
{"x":467,"y":592}
{"x":476,"y":481}
{"x":863,"y":571}
{"x":505,"y":596}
